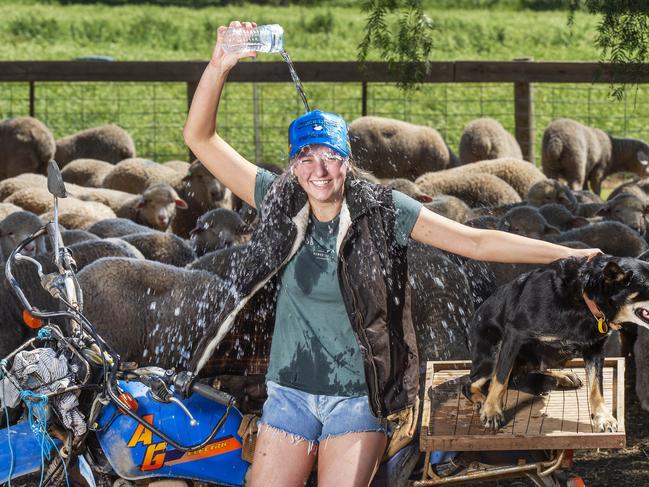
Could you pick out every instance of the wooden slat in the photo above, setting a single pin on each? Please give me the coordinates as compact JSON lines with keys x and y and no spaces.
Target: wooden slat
{"x":558,"y":420}
{"x":335,"y":71}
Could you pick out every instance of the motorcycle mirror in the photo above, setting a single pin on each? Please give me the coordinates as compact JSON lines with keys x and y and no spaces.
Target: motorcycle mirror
{"x":55,"y":184}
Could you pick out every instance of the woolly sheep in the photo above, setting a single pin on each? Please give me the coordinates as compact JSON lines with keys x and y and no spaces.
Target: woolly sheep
{"x":86,"y":172}
{"x":519,"y":174}
{"x":134,"y":175}
{"x":551,"y":191}
{"x":15,"y":228}
{"x":484,"y":139}
{"x":202,"y":192}
{"x":108,"y":143}
{"x":637,"y":188}
{"x":527,"y":221}
{"x":475,"y":189}
{"x":22,"y":181}
{"x":627,"y":209}
{"x":7,"y":209}
{"x":84,"y":253}
{"x":217,"y":229}
{"x":112,"y":198}
{"x":586,"y":196}
{"x":179,"y":166}
{"x":611,"y":237}
{"x":117,"y":227}
{"x":394,"y":149}
{"x":408,"y":188}
{"x":27,"y":146}
{"x":77,"y":214}
{"x":71,"y":237}
{"x":450,"y":207}
{"x":582,"y":154}
{"x":162,"y":247}
{"x":561,"y":217}
{"x":219,"y":261}
{"x":155,"y":207}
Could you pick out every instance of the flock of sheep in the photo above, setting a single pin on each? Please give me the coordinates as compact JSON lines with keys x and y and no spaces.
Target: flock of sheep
{"x":154,"y":242}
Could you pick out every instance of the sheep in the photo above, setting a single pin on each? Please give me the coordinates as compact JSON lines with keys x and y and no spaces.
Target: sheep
{"x":217,"y":229}
{"x":27,"y":146}
{"x":475,"y":189}
{"x":394,"y":149}
{"x":166,"y":310}
{"x":155,"y":207}
{"x":527,"y":221}
{"x":408,"y":188}
{"x":218,"y":261}
{"x":585,"y":196}
{"x":519,"y":174}
{"x":637,"y":188}
{"x":202,"y":192}
{"x":484,"y":139}
{"x":71,"y":237}
{"x":584,"y":155}
{"x":450,"y":207}
{"x":112,"y":198}
{"x":134,"y":175}
{"x":77,"y":214}
{"x":551,"y":191}
{"x":627,"y":209}
{"x":86,"y":172}
{"x":560,"y":217}
{"x":22,"y":181}
{"x":179,"y":166}
{"x":484,"y":222}
{"x":441,"y":305}
{"x":108,"y":143}
{"x":15,"y":228}
{"x":611,"y":237}
{"x":162,"y":247}
{"x":7,"y":209}
{"x":84,"y":253}
{"x":495,"y":211}
{"x":117,"y":227}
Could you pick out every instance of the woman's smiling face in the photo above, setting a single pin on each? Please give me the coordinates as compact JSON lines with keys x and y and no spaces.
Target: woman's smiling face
{"x":321,"y":172}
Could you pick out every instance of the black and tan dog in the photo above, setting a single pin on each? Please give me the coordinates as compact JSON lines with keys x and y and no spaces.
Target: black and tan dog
{"x":548,"y":316}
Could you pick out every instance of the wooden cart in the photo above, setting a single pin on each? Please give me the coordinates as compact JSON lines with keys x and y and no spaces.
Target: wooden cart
{"x":554,"y":422}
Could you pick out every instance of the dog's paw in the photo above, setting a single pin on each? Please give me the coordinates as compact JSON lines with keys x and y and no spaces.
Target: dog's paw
{"x":492,"y":416}
{"x":605,"y":422}
{"x":478,"y":399}
{"x":568,"y":380}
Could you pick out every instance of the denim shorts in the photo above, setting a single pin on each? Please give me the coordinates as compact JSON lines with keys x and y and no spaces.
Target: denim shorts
{"x":314,"y":417}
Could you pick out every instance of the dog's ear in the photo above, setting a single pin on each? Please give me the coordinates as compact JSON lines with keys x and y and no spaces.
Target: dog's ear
{"x":613,"y":273}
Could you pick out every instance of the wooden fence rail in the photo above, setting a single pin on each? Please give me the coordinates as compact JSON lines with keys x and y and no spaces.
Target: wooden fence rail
{"x":521,"y":73}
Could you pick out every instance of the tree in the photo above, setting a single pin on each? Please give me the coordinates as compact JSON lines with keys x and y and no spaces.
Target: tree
{"x":622,"y":36}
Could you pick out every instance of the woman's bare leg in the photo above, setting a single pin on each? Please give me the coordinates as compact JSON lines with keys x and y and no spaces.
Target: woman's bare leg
{"x":280,"y":461}
{"x":350,"y":460}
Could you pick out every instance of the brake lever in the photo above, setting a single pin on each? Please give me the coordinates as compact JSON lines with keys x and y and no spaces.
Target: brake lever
{"x":162,"y":393}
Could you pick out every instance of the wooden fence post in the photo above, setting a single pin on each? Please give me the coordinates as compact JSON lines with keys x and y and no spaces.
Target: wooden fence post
{"x":32,"y":99}
{"x":191,"y":89}
{"x":524,"y":116}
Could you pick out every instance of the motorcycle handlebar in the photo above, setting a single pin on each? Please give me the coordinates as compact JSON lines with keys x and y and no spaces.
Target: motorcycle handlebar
{"x":212,"y":394}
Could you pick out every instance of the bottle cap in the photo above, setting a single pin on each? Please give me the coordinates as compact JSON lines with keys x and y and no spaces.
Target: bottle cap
{"x":318,"y":127}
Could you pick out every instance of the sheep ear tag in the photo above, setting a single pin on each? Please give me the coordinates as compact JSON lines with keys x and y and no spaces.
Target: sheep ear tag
{"x":602,"y":326}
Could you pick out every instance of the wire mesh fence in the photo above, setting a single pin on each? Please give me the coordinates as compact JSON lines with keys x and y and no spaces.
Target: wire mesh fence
{"x":254,"y":117}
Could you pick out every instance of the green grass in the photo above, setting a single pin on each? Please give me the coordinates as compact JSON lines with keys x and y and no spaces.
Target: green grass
{"x":154,"y":112}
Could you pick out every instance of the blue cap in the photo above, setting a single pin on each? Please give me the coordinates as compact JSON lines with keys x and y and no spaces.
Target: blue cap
{"x":318,"y":127}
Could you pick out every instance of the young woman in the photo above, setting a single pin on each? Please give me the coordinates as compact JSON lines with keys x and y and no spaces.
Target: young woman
{"x":343,"y":356}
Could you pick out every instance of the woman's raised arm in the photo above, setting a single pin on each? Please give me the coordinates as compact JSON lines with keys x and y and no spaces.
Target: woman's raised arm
{"x":490,"y":245}
{"x":223,"y":161}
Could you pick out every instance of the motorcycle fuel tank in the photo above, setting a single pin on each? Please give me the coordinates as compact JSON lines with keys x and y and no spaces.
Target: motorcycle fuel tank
{"x":135,"y":452}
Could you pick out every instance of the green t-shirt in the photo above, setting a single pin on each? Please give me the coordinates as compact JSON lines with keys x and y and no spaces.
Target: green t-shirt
{"x":314,"y":348}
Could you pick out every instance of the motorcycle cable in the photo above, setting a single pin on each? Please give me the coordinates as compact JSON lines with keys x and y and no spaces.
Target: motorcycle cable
{"x":6,"y":412}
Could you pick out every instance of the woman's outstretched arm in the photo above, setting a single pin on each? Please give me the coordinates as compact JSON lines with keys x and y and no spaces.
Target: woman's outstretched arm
{"x":489,"y":245}
{"x":225,"y":163}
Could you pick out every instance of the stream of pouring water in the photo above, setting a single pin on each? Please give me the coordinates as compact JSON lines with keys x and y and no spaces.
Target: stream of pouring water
{"x":296,"y":80}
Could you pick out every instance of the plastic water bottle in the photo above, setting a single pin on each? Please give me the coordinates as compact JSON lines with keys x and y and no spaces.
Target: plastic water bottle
{"x":263,"y":38}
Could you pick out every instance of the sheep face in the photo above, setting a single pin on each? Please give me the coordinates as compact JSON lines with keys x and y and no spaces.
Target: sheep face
{"x":157,"y":206}
{"x":203,"y":188}
{"x":643,"y":161}
{"x":321,"y":172}
{"x":627,"y":209}
{"x":218,"y":229}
